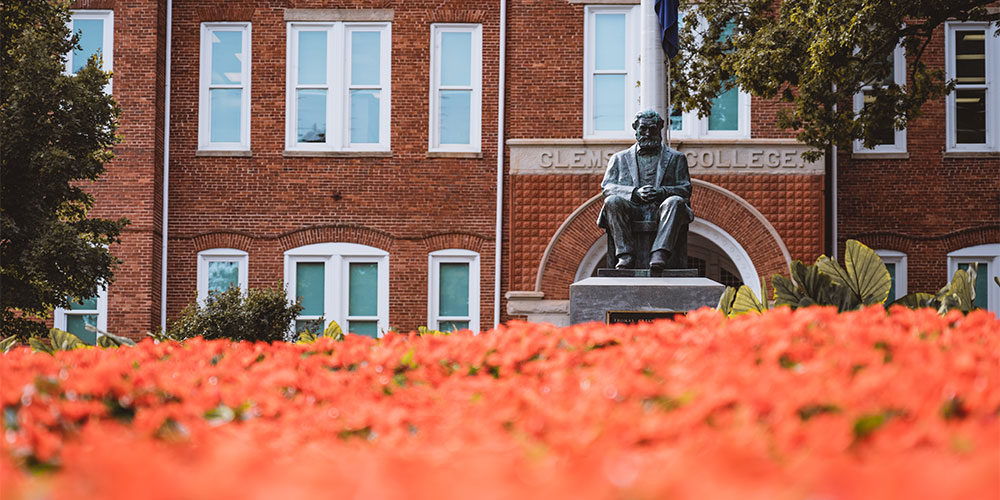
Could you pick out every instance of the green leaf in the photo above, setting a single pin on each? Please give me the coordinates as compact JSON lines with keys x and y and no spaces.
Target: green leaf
{"x":726,"y":301}
{"x":746,"y":301}
{"x":64,"y":341}
{"x":785,"y":292}
{"x":39,"y":346}
{"x":111,"y":340}
{"x":960,"y":293}
{"x":334,"y":331}
{"x":306,"y":337}
{"x":916,"y":300}
{"x":863,"y":274}
{"x":8,"y":343}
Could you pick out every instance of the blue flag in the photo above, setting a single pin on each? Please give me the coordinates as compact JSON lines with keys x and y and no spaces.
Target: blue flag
{"x":666,"y":12}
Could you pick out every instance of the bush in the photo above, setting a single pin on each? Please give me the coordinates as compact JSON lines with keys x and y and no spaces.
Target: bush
{"x":260,"y":314}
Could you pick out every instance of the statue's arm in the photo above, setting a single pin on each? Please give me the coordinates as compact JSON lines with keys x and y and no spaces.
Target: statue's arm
{"x":612,"y":183}
{"x":682,"y":187}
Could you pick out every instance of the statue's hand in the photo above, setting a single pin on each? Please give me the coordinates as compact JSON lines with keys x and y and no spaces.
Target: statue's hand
{"x":647,"y":194}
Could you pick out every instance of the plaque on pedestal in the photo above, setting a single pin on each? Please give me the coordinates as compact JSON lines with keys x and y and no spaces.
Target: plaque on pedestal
{"x":629,"y":300}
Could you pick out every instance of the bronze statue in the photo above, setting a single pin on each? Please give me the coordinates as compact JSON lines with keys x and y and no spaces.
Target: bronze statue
{"x":649,"y":183}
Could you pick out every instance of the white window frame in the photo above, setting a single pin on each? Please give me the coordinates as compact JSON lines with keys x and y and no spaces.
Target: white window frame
{"x":107,"y":43}
{"x":338,"y":86}
{"x":899,"y":78}
{"x":60,"y":314}
{"x":336,"y":259}
{"x":476,"y":80}
{"x":631,"y":13}
{"x":899,"y":259}
{"x":988,"y":253}
{"x":992,"y":52}
{"x":434,"y":261}
{"x":221,"y":255}
{"x":205,"y":85}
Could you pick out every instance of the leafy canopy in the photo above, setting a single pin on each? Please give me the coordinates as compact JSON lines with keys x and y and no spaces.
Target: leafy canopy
{"x":57,"y":130}
{"x":816,"y":55}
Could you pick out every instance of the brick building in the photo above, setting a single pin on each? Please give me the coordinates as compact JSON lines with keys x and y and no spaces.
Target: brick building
{"x":350,"y":150}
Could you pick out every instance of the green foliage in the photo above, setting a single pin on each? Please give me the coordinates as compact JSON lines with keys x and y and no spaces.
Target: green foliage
{"x":333,"y":331}
{"x":260,"y":314}
{"x":816,"y":55}
{"x":735,"y":302}
{"x":57,"y":130}
{"x":8,"y":343}
{"x":960,"y":294}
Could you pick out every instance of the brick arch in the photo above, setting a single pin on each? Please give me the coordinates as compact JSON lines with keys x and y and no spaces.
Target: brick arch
{"x":464,"y":241}
{"x":712,"y":203}
{"x":238,"y":241}
{"x":341,"y":234}
{"x":950,"y":242}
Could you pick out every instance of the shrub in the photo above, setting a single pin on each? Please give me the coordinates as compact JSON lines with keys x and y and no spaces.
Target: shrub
{"x":260,"y":314}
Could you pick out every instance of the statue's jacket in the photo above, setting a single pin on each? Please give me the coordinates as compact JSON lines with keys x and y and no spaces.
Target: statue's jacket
{"x":622,"y":178}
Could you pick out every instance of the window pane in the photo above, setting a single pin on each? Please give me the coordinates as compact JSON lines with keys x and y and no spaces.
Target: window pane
{"x":312,"y":325}
{"x":456,"y":58}
{"x":453,"y":326}
{"x":676,"y":121}
{"x":892,"y":288}
{"x":365,"y":51}
{"x":91,"y":40}
{"x":363,"y":289}
{"x":609,"y":39}
{"x":970,"y":57}
{"x":364,"y":115}
{"x":227,"y":57}
{"x":456,"y":116}
{"x":309,"y":287}
{"x":223,"y":275}
{"x":83,"y":305}
{"x":982,"y":282}
{"x":311,"y":115}
{"x":609,"y":102}
{"x":453,"y":289}
{"x":970,"y":116}
{"x":226,"y":114}
{"x":77,"y":325}
{"x":725,"y":113}
{"x":886,"y":133}
{"x":366,"y":328}
{"x":312,"y":57}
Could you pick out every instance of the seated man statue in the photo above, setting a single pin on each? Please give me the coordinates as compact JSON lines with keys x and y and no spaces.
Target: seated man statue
{"x":646,"y":182}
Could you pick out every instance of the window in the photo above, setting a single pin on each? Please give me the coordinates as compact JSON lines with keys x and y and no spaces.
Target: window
{"x":96,"y":30}
{"x":987,"y":260}
{"x":85,"y":318}
{"x":453,"y":290}
{"x":343,"y":282}
{"x":224,"y":100}
{"x":338,"y":95}
{"x":973,"y":60}
{"x":611,"y":70}
{"x":889,"y":139}
{"x":895,"y":262}
{"x":219,"y":269}
{"x":456,"y":87}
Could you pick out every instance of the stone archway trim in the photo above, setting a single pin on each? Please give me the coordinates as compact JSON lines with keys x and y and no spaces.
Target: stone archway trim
{"x":697,"y":182}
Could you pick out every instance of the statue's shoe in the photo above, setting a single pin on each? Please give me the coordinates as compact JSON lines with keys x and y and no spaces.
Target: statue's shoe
{"x":658,"y":260}
{"x":624,"y":261}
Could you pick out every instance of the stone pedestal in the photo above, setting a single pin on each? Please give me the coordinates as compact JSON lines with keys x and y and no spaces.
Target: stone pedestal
{"x":639,"y":299}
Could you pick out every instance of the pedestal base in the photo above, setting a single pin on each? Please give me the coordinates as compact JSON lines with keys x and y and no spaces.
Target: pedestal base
{"x":628,"y":299}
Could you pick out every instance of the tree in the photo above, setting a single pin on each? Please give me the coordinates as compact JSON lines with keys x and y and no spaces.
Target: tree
{"x":816,"y":55}
{"x":57,"y":130}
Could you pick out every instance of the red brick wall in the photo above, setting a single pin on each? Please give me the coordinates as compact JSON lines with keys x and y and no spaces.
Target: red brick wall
{"x":926,"y":205}
{"x":407,"y":204}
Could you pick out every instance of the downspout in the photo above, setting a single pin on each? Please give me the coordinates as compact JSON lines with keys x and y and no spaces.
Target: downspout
{"x":166,"y":172}
{"x":500,"y":153}
{"x":833,"y":204}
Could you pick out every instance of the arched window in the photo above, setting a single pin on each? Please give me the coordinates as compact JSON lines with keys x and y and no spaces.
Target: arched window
{"x":987,"y":261}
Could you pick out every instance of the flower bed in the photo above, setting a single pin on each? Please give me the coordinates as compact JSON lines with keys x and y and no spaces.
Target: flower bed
{"x":804,"y":404}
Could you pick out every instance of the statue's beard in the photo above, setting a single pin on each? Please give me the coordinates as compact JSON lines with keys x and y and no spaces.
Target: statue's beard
{"x":649,"y":143}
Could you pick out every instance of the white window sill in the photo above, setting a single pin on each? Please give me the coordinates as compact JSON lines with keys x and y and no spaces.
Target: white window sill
{"x":971,"y":154}
{"x":291,"y":153}
{"x":880,"y":155}
{"x":242,"y":153}
{"x":454,"y":154}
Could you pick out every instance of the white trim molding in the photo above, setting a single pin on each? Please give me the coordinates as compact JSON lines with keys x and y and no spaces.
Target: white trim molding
{"x":336,"y":259}
{"x":630,"y":71}
{"x":474,"y":87}
{"x":987,"y":84}
{"x":60,"y":314}
{"x":452,"y":256}
{"x":206,"y":257}
{"x":898,"y":145}
{"x":898,"y":259}
{"x":107,"y":39}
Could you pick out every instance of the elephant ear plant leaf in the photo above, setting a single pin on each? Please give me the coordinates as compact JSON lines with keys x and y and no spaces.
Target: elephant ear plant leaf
{"x":863,"y":273}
